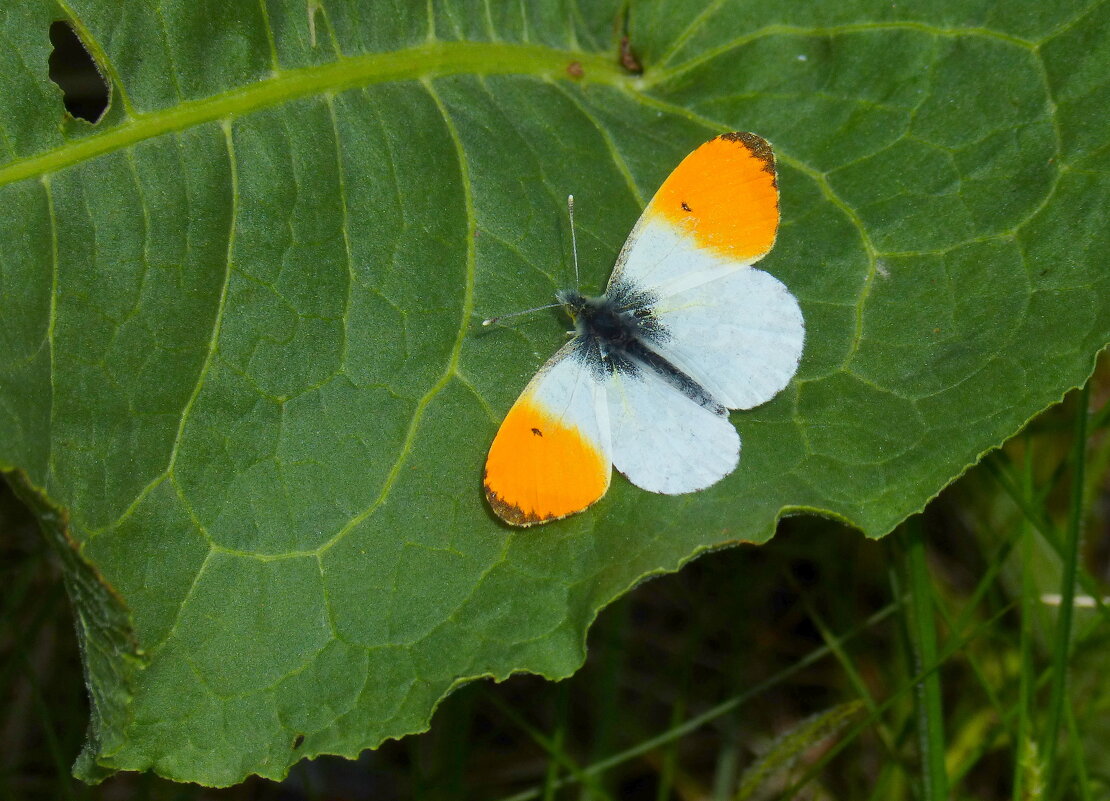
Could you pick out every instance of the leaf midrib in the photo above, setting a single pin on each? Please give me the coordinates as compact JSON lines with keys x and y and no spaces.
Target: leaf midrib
{"x":414,"y":63}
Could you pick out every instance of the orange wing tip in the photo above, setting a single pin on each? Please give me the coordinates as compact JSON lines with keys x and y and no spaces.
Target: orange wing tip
{"x":724,"y":195}
{"x":759,"y":147}
{"x":510,"y":512}
{"x":540,"y":468}
{"x":515,"y":516}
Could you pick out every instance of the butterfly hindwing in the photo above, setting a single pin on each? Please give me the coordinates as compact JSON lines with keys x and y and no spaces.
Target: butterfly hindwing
{"x":663,"y":440}
{"x":739,"y":335}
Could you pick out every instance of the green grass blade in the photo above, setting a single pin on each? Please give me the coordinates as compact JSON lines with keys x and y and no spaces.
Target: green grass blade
{"x":1079,"y":761}
{"x":1028,"y":777}
{"x":1062,"y":637}
{"x":850,"y":671}
{"x":923,"y":636}
{"x":955,"y":644}
{"x":551,"y":777}
{"x":669,"y":764}
{"x":1046,"y":530}
{"x":727,"y":765}
{"x":554,"y":748}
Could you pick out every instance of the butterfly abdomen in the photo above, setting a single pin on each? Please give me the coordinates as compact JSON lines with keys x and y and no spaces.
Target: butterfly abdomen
{"x":616,"y":334}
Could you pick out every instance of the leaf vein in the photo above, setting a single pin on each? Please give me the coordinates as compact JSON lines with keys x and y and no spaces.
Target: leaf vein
{"x":456,"y":349}
{"x":221,"y":304}
{"x":344,"y":226}
{"x":275,"y":63}
{"x":618,"y":159}
{"x":658,"y":76}
{"x":52,"y":321}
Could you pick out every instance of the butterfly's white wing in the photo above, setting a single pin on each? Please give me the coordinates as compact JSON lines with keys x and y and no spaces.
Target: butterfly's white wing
{"x":552,"y":455}
{"x":717,"y":211}
{"x":663,"y":440}
{"x":734,"y":329}
{"x":739,"y":335}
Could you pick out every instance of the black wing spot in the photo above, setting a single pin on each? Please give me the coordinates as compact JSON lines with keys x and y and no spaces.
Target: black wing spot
{"x":686,"y":206}
{"x":537,"y":432}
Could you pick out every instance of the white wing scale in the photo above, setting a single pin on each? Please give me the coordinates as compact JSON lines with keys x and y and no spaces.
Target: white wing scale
{"x":665,"y":442}
{"x":734,"y":329}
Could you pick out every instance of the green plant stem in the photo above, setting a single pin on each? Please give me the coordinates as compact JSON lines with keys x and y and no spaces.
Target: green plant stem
{"x":554,"y":748}
{"x":551,"y":779}
{"x":1062,"y":637}
{"x":669,"y":762}
{"x":1048,"y":532}
{"x":611,"y":654}
{"x":1082,"y":775}
{"x":850,"y":671}
{"x":726,"y":766}
{"x":1024,"y":744}
{"x":923,"y":635}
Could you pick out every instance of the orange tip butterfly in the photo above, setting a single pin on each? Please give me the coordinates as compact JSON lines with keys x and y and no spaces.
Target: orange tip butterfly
{"x":686,"y":330}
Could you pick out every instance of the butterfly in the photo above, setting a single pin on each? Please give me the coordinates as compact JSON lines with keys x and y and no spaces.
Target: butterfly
{"x":686,"y":330}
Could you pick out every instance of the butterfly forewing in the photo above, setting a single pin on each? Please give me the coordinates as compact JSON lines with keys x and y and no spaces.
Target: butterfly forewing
{"x":552,"y":455}
{"x":718,"y":210}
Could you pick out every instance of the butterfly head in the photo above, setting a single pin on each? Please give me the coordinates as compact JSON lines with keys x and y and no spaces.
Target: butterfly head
{"x":606,"y":319}
{"x":574,"y":303}
{"x":592,"y":316}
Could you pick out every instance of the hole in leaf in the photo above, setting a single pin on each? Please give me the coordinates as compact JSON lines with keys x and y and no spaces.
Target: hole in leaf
{"x":84,"y":90}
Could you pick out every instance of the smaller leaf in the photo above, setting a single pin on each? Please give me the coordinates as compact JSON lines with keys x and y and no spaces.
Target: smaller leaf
{"x":784,"y":751}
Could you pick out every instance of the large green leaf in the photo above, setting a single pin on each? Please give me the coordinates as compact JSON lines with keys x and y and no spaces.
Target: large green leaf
{"x":242,"y":378}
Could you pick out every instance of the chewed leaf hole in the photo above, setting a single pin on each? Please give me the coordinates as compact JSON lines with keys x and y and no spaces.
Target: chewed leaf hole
{"x":85,"y":92}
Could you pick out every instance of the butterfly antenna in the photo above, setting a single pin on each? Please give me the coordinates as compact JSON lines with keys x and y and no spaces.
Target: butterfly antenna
{"x":500,"y":317}
{"x":573,"y":241}
{"x":574,"y":249}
